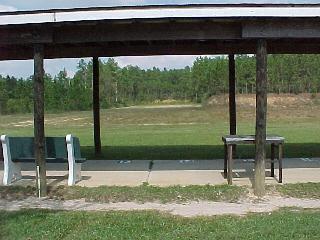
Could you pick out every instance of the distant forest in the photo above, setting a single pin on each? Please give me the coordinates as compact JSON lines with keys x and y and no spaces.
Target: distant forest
{"x":132,"y":85}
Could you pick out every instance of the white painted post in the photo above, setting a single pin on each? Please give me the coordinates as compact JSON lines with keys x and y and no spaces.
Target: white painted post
{"x":74,"y":168}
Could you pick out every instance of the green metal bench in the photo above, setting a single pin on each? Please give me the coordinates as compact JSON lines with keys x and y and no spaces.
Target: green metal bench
{"x":18,"y":150}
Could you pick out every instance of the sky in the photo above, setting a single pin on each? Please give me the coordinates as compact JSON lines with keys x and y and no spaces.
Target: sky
{"x":25,"y":68}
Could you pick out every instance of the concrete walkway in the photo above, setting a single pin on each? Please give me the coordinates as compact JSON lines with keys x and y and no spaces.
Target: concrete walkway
{"x":174,"y":172}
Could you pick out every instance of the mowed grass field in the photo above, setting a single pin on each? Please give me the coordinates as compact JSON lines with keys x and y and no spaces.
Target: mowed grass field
{"x":178,"y":132}
{"x":43,"y":224}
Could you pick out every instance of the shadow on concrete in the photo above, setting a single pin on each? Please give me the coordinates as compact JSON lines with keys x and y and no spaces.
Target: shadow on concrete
{"x":57,"y":180}
{"x":248,"y":172}
{"x":199,"y":152}
{"x":240,"y":165}
{"x":184,"y":157}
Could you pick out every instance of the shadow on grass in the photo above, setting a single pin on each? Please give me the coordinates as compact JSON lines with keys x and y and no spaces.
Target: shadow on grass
{"x":196,"y":152}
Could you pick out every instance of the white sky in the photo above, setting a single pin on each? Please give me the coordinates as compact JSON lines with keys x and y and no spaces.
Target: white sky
{"x":25,"y":68}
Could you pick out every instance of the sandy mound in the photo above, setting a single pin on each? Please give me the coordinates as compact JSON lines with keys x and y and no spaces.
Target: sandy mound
{"x":249,"y":100}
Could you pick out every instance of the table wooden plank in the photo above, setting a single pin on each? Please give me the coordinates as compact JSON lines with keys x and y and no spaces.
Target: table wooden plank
{"x":250,"y":139}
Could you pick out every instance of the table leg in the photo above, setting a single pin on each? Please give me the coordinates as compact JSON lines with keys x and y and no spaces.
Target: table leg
{"x":230,"y":163}
{"x":272,"y":159}
{"x":280,"y":153}
{"x":225,"y":160}
{"x":234,"y":151}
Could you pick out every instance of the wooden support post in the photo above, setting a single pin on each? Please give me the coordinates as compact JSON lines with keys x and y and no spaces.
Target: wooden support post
{"x":232,"y":95}
{"x":261,"y":117}
{"x":96,"y":106}
{"x":39,"y":135}
{"x":232,"y":100}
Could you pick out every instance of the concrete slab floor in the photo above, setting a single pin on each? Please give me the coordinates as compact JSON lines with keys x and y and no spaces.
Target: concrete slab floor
{"x":89,"y":178}
{"x":171,"y":172}
{"x":94,"y":173}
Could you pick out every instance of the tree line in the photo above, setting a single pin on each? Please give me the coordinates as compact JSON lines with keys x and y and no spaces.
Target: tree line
{"x":123,"y":86}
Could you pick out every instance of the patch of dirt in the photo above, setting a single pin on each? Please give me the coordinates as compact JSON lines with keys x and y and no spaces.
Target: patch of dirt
{"x":274,"y":100}
{"x":166,"y":101}
{"x":191,"y":209}
{"x":167,"y":124}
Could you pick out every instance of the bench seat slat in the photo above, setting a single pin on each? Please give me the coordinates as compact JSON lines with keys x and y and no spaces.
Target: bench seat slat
{"x":80,"y":160}
{"x":48,"y":160}
{"x":23,"y":160}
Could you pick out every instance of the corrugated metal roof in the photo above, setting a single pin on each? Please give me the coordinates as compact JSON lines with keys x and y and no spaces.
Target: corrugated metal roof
{"x":159,"y":12}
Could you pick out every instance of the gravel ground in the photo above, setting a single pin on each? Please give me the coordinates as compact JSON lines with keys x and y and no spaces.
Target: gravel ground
{"x":191,"y":209}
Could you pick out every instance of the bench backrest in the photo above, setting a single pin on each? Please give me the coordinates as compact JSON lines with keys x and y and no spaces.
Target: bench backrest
{"x":77,"y":150}
{"x":56,"y":147}
{"x":23,"y":147}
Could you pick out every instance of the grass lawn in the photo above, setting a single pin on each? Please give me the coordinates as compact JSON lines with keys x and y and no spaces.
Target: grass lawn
{"x":41,"y":224}
{"x":143,"y":193}
{"x":176,"y":133}
{"x":44,"y":224}
{"x":300,"y":190}
{"x":147,"y":193}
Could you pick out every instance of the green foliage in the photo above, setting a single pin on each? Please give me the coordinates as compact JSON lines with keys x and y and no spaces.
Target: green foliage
{"x":18,"y":106}
{"x":132,"y":85}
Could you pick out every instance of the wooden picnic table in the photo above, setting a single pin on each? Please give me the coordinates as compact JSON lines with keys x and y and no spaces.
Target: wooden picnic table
{"x":229,"y":141}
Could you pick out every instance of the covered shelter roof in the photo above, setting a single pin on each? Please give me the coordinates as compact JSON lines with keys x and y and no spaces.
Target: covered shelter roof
{"x":160,"y":30}
{"x":159,"y":12}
